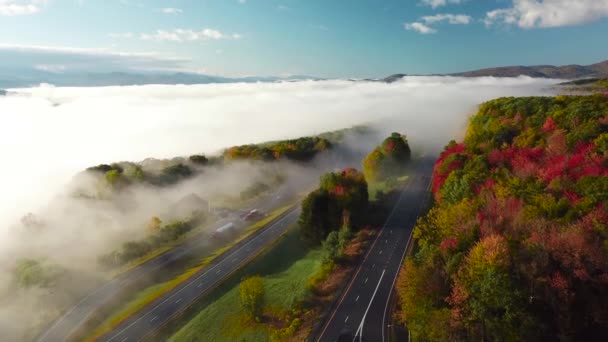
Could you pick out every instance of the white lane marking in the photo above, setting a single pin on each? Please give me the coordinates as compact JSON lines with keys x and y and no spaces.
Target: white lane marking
{"x":177,"y":301}
{"x":124,"y":339}
{"x":199,"y":285}
{"x":386,"y":241}
{"x":346,"y":320}
{"x":153,"y":319}
{"x":235,"y":260}
{"x":360,"y":329}
{"x":357,"y":299}
{"x":374,"y":265}
{"x":201,"y":275}
{"x":388,"y":299}
{"x":365,"y":282}
{"x":380,"y":252}
{"x":218,"y":271}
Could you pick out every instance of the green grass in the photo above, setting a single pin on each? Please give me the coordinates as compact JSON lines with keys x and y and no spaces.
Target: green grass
{"x":150,"y":294}
{"x":385,"y":186}
{"x":285,"y":269}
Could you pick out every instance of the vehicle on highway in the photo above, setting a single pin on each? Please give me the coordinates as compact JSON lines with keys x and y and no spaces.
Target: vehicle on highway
{"x":223,"y":230}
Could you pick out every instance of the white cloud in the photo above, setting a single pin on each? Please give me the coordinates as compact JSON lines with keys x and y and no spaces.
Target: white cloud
{"x":54,"y":68}
{"x":424,"y":25}
{"x":21,"y":7}
{"x":182,"y":35}
{"x":87,"y":59}
{"x":454,"y":19}
{"x":529,"y":14}
{"x":171,"y":10}
{"x":439,"y":3}
{"x":126,"y":35}
{"x":419,"y":27}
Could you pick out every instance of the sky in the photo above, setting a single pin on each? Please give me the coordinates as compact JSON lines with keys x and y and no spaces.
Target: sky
{"x":337,"y":38}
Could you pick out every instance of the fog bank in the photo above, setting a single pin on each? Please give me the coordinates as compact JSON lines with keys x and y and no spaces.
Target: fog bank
{"x":48,"y":134}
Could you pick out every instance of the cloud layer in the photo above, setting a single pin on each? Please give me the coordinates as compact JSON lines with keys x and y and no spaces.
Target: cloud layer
{"x":48,"y":134}
{"x":183,"y":35}
{"x":548,"y":13}
{"x":20,"y":7}
{"x":17,"y":58}
{"x":439,"y":3}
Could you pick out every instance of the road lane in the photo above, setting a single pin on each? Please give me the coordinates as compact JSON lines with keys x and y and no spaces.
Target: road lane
{"x":63,"y":329}
{"x":365,"y":301}
{"x":141,"y":325}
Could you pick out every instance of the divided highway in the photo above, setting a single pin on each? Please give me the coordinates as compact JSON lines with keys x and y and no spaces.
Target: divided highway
{"x":147,"y":322}
{"x":362,"y":311}
{"x":72,"y":320}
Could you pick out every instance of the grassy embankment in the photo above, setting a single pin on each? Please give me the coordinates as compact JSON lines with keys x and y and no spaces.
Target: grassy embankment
{"x":148,"y":295}
{"x":285,"y":269}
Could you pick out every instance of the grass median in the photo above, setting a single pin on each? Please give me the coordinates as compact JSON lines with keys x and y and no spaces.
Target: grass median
{"x":152,"y":293}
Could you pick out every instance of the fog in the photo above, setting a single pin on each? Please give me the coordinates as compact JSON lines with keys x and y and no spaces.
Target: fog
{"x":50,"y":134}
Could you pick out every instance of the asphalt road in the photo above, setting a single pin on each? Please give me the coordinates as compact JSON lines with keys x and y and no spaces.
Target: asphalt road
{"x":72,"y":320}
{"x":146,"y":322}
{"x":362,"y":311}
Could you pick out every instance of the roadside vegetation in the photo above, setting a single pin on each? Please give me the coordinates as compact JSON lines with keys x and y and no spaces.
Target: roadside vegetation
{"x":515,"y":247}
{"x":144,"y":297}
{"x":281,"y":295}
{"x":296,"y":287}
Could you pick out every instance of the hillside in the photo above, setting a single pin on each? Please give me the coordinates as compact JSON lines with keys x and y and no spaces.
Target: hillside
{"x":29,"y":78}
{"x":516,"y":244}
{"x":548,"y":71}
{"x":598,"y":70}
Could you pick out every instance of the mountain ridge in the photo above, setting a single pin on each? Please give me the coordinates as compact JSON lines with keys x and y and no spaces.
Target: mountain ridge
{"x":570,"y":71}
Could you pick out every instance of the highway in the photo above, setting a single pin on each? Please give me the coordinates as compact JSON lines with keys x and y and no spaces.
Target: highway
{"x":73,"y":319}
{"x":143,"y":325}
{"x":362,"y":312}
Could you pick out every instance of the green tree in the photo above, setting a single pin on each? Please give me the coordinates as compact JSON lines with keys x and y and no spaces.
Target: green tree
{"x":199,"y":159}
{"x":387,"y":160}
{"x":252,"y":296}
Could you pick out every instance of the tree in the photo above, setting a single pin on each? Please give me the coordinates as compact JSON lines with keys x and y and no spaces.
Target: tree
{"x":154,"y":225}
{"x":252,"y":296}
{"x":387,"y":160}
{"x":341,"y":201}
{"x":315,"y":219}
{"x":134,"y":172}
{"x":199,"y":159}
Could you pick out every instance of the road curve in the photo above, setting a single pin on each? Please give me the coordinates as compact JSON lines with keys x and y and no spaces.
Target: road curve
{"x":145,"y":323}
{"x":63,"y":329}
{"x":362,"y":311}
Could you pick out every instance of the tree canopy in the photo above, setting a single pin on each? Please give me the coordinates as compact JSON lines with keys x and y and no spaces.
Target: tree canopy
{"x":515,"y":247}
{"x":341,"y":200}
{"x":389,"y":159}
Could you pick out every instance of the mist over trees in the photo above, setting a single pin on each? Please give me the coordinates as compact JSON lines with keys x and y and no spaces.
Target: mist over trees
{"x":515,"y":247}
{"x":389,"y":159}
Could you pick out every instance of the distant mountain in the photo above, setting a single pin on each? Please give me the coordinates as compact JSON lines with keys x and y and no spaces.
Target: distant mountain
{"x":29,"y":78}
{"x":2,"y":92}
{"x":598,"y":70}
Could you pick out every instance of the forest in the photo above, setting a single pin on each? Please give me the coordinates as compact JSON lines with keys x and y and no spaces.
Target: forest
{"x":515,"y":246}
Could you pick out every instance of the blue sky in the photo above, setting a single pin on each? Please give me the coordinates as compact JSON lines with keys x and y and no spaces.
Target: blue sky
{"x":327,"y":38}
